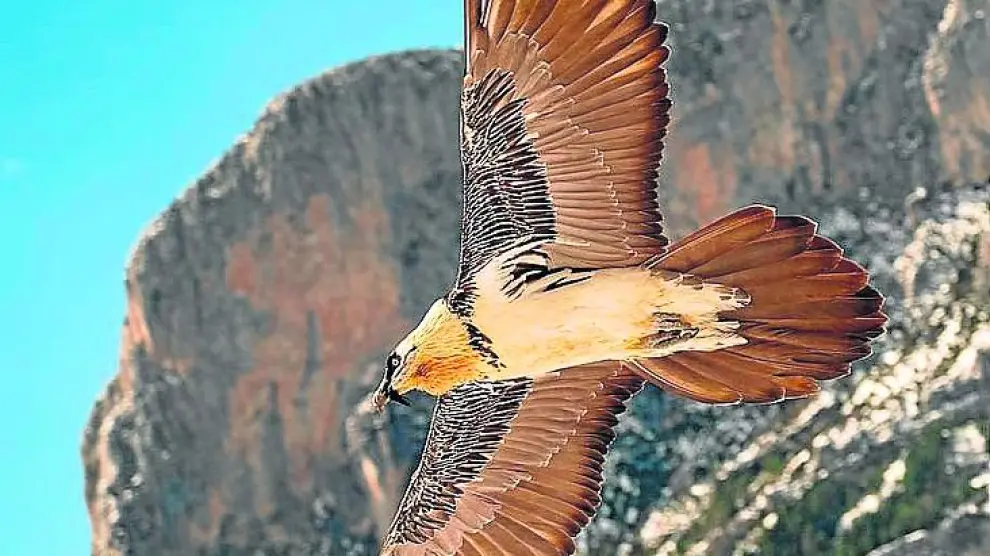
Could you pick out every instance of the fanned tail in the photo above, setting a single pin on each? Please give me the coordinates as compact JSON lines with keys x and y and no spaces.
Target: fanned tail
{"x":811,"y":313}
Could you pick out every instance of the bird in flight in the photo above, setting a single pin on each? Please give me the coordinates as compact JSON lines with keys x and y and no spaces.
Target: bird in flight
{"x":568,"y":296}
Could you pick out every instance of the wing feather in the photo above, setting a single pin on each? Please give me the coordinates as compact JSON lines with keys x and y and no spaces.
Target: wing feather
{"x":563,"y":113}
{"x":541,"y":478}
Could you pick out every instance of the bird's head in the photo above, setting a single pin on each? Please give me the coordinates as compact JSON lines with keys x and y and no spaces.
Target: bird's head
{"x":435,"y":357}
{"x":394,"y":377}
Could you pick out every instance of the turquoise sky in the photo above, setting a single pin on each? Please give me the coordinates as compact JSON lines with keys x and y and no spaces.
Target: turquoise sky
{"x":108,"y":110}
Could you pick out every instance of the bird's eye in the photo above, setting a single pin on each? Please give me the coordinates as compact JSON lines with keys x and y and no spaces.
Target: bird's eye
{"x":393,"y":363}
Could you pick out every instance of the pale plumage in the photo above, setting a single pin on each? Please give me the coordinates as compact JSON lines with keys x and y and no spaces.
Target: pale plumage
{"x":568,"y":298}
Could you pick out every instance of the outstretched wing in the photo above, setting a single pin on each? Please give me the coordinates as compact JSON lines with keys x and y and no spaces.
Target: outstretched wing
{"x":512,"y":467}
{"x":563,"y":112}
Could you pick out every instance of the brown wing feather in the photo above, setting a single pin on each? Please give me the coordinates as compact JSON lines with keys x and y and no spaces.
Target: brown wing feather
{"x":595,"y":107}
{"x":542,"y":482}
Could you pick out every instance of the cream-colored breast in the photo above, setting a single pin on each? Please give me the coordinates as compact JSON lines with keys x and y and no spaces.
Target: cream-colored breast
{"x":603,"y":318}
{"x":590,"y":321}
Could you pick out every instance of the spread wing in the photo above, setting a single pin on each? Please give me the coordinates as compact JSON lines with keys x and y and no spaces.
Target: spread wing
{"x":512,"y":467}
{"x":563,"y":111}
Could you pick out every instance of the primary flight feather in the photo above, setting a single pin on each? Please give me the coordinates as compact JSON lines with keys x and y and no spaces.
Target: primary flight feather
{"x":568,"y":297}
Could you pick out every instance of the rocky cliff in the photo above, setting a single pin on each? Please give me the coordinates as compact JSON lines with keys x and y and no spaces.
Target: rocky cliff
{"x":261,"y":302}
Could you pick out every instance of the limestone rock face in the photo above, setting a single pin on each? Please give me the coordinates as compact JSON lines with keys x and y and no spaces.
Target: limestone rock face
{"x":261,"y":302}
{"x":898,"y":449}
{"x":801,"y":102}
{"x":259,"y":307}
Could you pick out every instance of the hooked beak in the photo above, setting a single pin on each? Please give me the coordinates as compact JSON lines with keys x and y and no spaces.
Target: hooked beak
{"x":386,"y":393}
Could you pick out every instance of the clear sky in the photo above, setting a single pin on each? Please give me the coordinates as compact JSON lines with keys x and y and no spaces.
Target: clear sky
{"x":108,"y":110}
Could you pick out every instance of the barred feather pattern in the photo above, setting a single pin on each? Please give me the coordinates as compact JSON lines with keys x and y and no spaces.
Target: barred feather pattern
{"x":468,"y":425}
{"x":506,"y":192}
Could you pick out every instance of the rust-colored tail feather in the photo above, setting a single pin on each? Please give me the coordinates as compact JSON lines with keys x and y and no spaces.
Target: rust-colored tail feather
{"x":811,"y":313}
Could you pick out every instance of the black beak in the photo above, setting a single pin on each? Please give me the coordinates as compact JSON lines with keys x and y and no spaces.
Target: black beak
{"x":385,"y":394}
{"x":397,"y":397}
